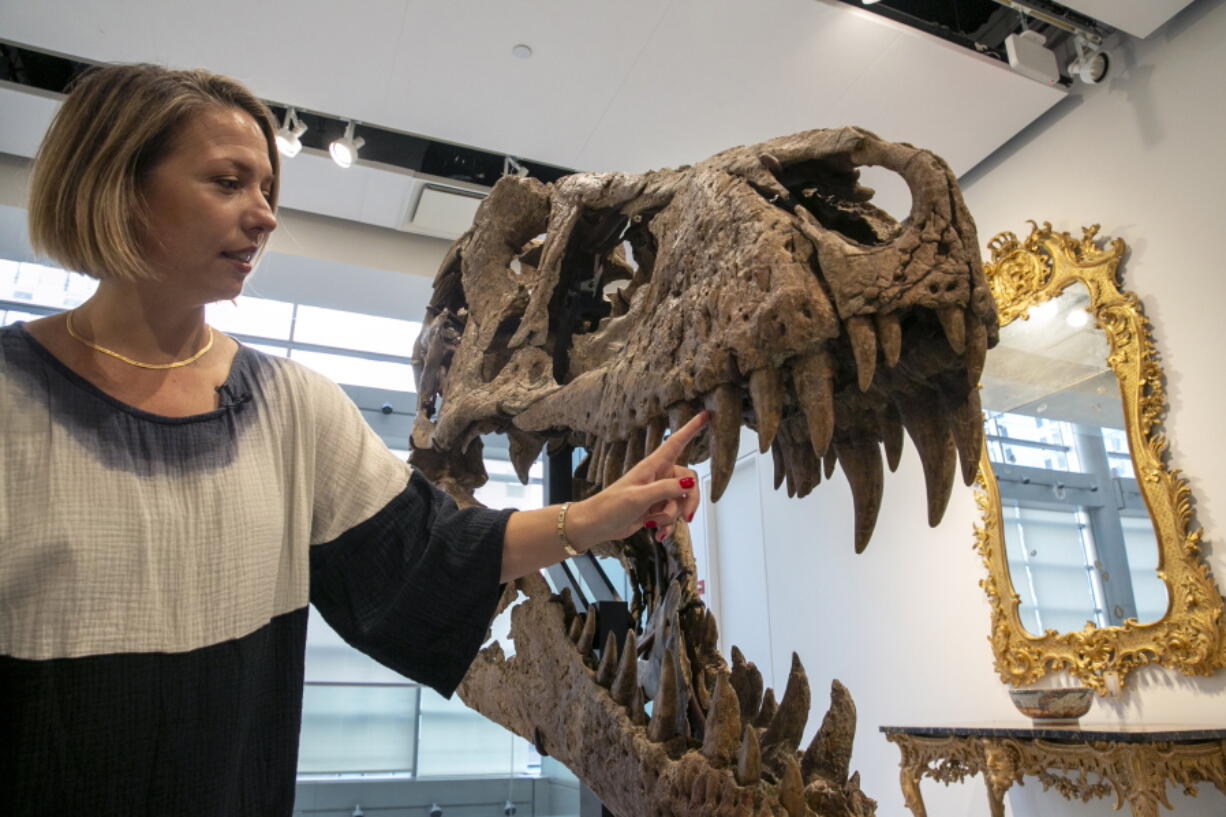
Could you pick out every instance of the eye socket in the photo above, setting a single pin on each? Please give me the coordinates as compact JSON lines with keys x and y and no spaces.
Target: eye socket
{"x":228,"y":182}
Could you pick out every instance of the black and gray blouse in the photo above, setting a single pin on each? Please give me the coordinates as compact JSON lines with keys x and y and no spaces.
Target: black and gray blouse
{"x":155,"y":574}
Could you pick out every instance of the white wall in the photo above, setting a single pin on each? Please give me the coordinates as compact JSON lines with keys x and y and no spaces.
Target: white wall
{"x":905,"y":625}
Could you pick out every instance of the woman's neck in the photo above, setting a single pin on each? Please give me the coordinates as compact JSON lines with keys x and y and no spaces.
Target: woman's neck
{"x":141,"y":322}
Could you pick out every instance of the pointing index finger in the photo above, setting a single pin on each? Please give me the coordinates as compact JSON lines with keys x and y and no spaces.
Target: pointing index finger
{"x":679,"y":439}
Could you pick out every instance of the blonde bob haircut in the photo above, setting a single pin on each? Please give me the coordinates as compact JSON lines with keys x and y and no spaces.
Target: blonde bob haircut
{"x":87,"y":209}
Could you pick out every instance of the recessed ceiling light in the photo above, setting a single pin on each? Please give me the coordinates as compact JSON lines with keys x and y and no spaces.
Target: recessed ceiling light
{"x":522,"y":51}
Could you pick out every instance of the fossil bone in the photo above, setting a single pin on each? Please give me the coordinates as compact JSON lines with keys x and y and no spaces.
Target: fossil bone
{"x":760,"y":284}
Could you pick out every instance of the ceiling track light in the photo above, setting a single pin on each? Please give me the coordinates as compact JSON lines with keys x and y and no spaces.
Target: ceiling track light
{"x":345,"y":150}
{"x":1027,"y":10}
{"x":289,"y":135}
{"x":512,"y":167}
{"x":1092,"y":62}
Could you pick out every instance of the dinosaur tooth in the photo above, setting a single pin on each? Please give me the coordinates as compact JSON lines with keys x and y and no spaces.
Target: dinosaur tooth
{"x":928,"y":427}
{"x":749,"y":757}
{"x":701,"y":699}
{"x":576,"y":629}
{"x":678,"y":415}
{"x":976,"y":350}
{"x":656,"y":427}
{"x":587,"y":636}
{"x":953,"y":321}
{"x":967,"y":428}
{"x":788,"y":723}
{"x":613,"y":462}
{"x":710,"y":634}
{"x":683,"y":672}
{"x":568,"y":606}
{"x":725,"y":428}
{"x":891,"y":435}
{"x":807,"y":469}
{"x":767,"y":711}
{"x":788,"y":456}
{"x":607,"y":671}
{"x":524,"y":450}
{"x":829,"y":460}
{"x":635,"y":444}
{"x":861,"y":461}
{"x":792,"y":788}
{"x":663,"y":725}
{"x":812,"y":378}
{"x":777,"y":459}
{"x":722,"y":736}
{"x":889,"y":334}
{"x":626,"y":681}
{"x":766,"y":391}
{"x":619,"y":302}
{"x":863,"y":348}
{"x":638,"y":707}
{"x":595,"y":469}
{"x":746,"y":680}
{"x":829,"y":753}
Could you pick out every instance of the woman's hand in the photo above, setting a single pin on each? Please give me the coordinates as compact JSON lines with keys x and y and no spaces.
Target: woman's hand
{"x":652,"y":494}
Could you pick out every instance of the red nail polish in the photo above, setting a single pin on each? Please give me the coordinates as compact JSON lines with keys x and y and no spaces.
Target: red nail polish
{"x":650,"y":524}
{"x":687,"y":483}
{"x":689,"y":517}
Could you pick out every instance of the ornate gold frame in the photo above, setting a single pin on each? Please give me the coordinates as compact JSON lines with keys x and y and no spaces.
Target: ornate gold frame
{"x":1190,"y":637}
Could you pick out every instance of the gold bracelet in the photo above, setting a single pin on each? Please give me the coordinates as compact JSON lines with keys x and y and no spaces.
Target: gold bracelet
{"x":566,"y":544}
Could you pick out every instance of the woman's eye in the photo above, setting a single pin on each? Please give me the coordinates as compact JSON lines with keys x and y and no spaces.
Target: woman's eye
{"x":229,"y":184}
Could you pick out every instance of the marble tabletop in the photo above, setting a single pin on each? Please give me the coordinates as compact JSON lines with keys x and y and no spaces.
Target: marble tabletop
{"x":1081,"y":732}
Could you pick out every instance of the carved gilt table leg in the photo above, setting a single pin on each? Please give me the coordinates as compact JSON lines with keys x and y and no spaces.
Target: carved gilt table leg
{"x":999,"y":773}
{"x":910,"y":779}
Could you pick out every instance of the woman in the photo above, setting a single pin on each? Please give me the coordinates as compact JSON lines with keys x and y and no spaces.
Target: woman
{"x":170,"y":500}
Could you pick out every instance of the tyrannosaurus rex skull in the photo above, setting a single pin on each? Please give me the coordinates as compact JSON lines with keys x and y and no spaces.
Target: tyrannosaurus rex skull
{"x":601,"y":310}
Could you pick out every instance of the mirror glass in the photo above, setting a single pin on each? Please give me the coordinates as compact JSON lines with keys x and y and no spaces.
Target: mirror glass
{"x":1078,"y":538}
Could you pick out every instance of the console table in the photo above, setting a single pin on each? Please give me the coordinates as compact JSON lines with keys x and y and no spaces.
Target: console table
{"x":1133,"y":762}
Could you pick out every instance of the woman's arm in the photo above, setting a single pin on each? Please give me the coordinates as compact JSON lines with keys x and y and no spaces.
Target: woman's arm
{"x":652,"y":494}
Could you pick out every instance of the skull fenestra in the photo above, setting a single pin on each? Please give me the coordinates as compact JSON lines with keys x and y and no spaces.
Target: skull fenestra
{"x":602,"y":310}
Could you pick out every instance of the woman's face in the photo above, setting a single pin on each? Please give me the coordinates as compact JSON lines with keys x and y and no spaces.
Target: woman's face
{"x":207,"y":200}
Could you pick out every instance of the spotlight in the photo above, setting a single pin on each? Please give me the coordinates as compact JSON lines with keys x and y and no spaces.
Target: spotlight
{"x":1092,"y":62}
{"x":289,"y":135}
{"x":511,"y":167}
{"x":345,"y":150}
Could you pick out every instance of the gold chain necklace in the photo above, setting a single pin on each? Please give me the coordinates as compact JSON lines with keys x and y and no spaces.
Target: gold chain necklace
{"x":173,"y":365}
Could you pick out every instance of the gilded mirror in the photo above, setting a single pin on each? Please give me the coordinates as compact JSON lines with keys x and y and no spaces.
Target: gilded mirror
{"x":1094,"y":566}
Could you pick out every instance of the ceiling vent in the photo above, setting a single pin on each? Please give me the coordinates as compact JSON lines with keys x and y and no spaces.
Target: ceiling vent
{"x":442,"y":211}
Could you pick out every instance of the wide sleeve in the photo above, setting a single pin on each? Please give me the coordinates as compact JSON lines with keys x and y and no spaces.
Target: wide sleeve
{"x":413,"y":580}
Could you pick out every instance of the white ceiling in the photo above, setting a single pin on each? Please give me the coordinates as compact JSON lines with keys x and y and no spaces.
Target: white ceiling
{"x":612,"y":85}
{"x":1140,"y":19}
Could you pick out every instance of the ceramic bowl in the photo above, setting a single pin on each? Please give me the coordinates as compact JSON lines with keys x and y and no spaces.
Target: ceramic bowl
{"x":1053,"y":706}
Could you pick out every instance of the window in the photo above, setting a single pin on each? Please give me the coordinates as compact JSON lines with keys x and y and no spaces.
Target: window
{"x":1075,"y":524}
{"x":26,"y":282}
